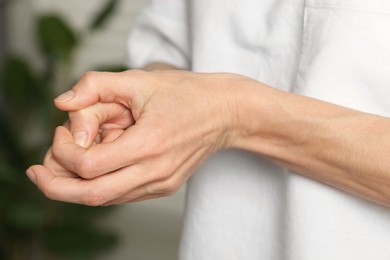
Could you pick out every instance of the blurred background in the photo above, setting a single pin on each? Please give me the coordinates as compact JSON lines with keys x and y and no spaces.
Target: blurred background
{"x":45,"y":46}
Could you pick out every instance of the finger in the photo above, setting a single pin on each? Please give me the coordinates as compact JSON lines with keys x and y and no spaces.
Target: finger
{"x":50,"y":163}
{"x":94,"y":192}
{"x":85,"y":123}
{"x":106,"y":136}
{"x":48,"y":183}
{"x":135,"y":194}
{"x":110,"y":135}
{"x":94,"y":87}
{"x":168,"y":186}
{"x":60,"y":188}
{"x":123,"y":201}
{"x":134,"y":180}
{"x":66,"y":124}
{"x":102,"y":158}
{"x":152,"y":190}
{"x":138,"y":194}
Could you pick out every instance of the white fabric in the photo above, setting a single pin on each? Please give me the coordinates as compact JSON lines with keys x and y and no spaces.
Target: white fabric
{"x":240,"y":206}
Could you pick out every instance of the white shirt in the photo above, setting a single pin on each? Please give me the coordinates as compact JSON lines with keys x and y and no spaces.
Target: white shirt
{"x":239,"y":205}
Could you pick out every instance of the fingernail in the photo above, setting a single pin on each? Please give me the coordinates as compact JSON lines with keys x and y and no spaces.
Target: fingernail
{"x":67,"y":96}
{"x":80,"y":138}
{"x":31,"y":175}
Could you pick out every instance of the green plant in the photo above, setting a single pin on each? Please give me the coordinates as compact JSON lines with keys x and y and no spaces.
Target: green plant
{"x":31,"y":226}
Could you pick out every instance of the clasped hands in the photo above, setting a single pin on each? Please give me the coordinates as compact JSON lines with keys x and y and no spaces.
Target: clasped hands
{"x":136,"y":135}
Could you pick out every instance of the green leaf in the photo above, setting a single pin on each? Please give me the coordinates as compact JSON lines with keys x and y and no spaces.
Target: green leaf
{"x":10,"y":147}
{"x":103,"y":15}
{"x":56,"y":37}
{"x":20,"y":83}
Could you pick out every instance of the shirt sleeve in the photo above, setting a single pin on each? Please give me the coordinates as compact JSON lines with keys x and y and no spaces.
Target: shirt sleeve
{"x":160,"y":34}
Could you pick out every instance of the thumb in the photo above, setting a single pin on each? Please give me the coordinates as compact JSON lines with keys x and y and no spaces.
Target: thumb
{"x":94,"y":87}
{"x":85,"y":123}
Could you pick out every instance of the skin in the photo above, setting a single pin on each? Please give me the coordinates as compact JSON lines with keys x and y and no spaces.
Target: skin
{"x":139,"y":135}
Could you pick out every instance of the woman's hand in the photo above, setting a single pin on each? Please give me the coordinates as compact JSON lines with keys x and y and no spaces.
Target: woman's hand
{"x":136,"y":135}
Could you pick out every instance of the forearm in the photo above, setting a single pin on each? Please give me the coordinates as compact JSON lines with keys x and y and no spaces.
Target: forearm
{"x":333,"y":144}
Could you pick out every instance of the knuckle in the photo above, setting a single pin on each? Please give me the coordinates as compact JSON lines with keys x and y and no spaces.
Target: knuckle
{"x":162,"y":174}
{"x":85,"y":167}
{"x":167,"y":188}
{"x":168,"y":168}
{"x":87,"y":118}
{"x":89,"y":78}
{"x":56,"y":151}
{"x":171,"y":187}
{"x":48,"y":156}
{"x":50,"y":192}
{"x":82,"y":113}
{"x":169,"y":192}
{"x":95,"y":198}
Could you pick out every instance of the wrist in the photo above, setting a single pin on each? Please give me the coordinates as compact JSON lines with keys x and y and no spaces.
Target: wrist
{"x":234,"y":91}
{"x":265,"y":119}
